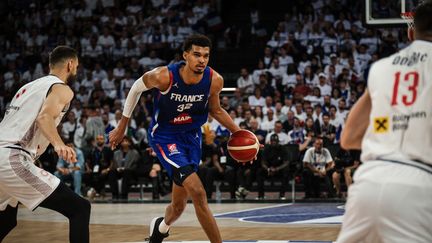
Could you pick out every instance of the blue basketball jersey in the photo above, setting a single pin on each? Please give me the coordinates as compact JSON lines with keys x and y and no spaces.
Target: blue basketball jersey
{"x":181,"y":107}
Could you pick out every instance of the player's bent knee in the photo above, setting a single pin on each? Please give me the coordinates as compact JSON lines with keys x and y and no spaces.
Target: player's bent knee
{"x":197,"y":193}
{"x":83,"y":208}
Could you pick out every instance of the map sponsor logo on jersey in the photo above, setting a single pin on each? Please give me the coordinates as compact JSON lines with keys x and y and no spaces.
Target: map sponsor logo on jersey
{"x":183,"y":118}
{"x":172,"y":148}
{"x":381,"y":124}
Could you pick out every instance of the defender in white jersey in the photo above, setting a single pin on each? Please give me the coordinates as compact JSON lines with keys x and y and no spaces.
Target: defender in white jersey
{"x":26,"y":130}
{"x":391,"y":199}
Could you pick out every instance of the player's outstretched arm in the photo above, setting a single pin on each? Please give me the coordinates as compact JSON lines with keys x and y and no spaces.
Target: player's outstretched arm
{"x":357,"y":123}
{"x":156,"y":78}
{"x":216,"y":111}
{"x":56,"y":101}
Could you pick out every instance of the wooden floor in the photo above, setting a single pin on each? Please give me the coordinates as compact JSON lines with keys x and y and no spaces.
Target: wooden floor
{"x":129,"y":223}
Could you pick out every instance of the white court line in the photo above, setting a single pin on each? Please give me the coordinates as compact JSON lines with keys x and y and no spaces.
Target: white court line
{"x":251,"y":209}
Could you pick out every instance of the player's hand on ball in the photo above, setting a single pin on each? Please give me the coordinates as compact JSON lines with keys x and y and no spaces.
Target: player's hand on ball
{"x":115,"y":137}
{"x":67,"y":153}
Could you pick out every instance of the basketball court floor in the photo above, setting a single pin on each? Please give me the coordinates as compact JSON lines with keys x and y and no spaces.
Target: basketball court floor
{"x":238,"y":222}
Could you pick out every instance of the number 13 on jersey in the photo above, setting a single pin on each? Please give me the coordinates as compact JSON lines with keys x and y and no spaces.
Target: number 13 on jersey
{"x":412,"y":79}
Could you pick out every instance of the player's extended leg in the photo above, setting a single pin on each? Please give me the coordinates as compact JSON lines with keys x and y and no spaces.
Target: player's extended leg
{"x":177,"y":205}
{"x":196,"y":191}
{"x":75,"y":208}
{"x":159,"y":226}
{"x":7,"y":221}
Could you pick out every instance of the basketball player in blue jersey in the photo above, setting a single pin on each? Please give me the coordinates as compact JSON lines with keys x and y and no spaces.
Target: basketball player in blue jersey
{"x":184,"y":94}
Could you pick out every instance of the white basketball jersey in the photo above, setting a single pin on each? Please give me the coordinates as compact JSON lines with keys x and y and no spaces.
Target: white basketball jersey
{"x":19,"y":127}
{"x":400,"y":88}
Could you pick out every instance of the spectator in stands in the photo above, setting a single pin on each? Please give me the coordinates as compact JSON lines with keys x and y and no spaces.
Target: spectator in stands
{"x":327,"y":130}
{"x":72,"y":171}
{"x":125,"y":160}
{"x":221,"y":168}
{"x":148,"y":167}
{"x":254,"y":127}
{"x":99,"y":163}
{"x":297,"y":133}
{"x":151,"y":61}
{"x":236,"y":99}
{"x":323,"y":85}
{"x":69,"y":127}
{"x":317,"y":162}
{"x":346,"y":162}
{"x":256,"y":99}
{"x":278,"y":130}
{"x":94,"y":125}
{"x":78,"y":137}
{"x":269,"y":121}
{"x":342,"y":111}
{"x":245,"y":82}
{"x":274,"y":164}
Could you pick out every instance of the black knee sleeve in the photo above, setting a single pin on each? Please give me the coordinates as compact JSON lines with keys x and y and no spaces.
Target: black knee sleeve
{"x":75,"y":208}
{"x":7,"y":221}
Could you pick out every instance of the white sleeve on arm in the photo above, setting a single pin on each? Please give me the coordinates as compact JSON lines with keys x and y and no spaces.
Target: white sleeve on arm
{"x":134,"y":94}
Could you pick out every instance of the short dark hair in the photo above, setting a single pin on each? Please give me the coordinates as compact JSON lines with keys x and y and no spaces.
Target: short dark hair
{"x":422,"y":18}
{"x":198,"y":40}
{"x":61,"y":53}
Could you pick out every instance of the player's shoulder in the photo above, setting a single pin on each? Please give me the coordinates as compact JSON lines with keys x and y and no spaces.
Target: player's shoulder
{"x":216,"y":78}
{"x":62,"y":90}
{"x":159,"y":73}
{"x":214,"y":74}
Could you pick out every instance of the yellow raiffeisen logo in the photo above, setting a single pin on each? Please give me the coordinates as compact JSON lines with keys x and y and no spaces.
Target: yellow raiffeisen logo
{"x":381,"y":124}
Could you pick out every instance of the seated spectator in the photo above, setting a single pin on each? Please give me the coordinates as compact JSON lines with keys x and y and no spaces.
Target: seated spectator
{"x":69,"y":127}
{"x":254,"y":127}
{"x":297,"y":134}
{"x":311,"y":79}
{"x":346,"y":162}
{"x":98,"y":164}
{"x":94,"y":125}
{"x":125,"y":160}
{"x":256,"y":99}
{"x":278,"y":130}
{"x":268,"y":122}
{"x":245,"y":82}
{"x":221,"y":168}
{"x":72,"y":171}
{"x":274,"y":164}
{"x":315,"y":97}
{"x":323,"y":85}
{"x":327,"y":130}
{"x":258,"y":72}
{"x":151,"y":61}
{"x":317,"y":162}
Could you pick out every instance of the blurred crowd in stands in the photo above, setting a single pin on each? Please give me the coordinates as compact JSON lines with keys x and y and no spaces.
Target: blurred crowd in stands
{"x":313,"y":68}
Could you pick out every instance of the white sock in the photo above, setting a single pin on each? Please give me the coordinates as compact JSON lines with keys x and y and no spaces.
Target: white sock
{"x":163,"y":227}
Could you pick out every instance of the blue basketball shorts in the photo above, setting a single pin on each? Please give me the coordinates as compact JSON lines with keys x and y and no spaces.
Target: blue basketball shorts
{"x":179,"y":153}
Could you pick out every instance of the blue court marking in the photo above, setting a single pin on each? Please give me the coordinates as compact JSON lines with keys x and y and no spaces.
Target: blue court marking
{"x":290,"y":213}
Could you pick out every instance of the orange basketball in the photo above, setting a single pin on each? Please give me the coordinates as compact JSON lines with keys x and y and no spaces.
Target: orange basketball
{"x":243,"y":146}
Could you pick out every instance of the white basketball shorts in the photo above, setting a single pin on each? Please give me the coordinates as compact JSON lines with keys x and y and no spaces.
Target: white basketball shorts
{"x":388,"y":202}
{"x":22,"y":181}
